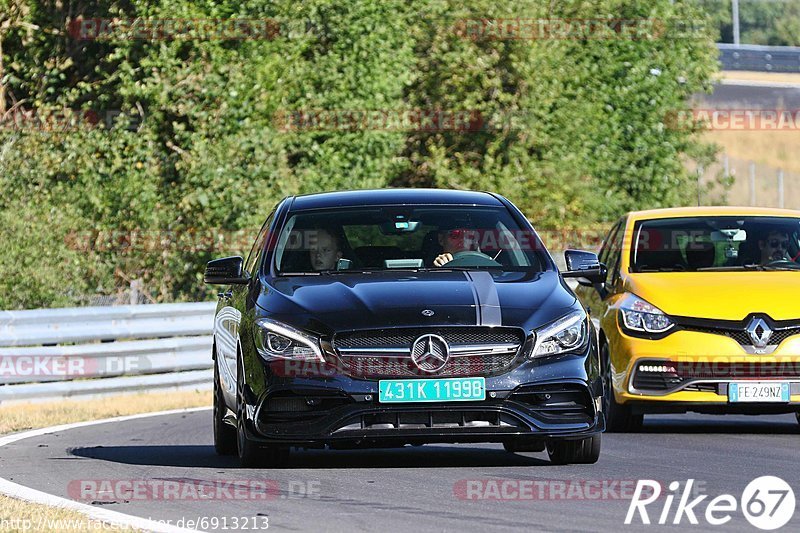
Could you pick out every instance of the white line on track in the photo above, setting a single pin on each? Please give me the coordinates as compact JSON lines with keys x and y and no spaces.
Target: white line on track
{"x":22,"y":492}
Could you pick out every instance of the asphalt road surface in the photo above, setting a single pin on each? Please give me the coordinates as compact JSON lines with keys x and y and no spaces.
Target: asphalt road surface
{"x":426,"y":488}
{"x":750,"y":97}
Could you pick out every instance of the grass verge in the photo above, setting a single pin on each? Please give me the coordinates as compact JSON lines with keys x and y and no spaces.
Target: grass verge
{"x":778,"y":149}
{"x":746,"y":75}
{"x":21,"y":516}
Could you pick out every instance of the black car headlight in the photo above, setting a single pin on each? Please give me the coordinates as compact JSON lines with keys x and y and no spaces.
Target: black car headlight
{"x":568,"y":334}
{"x":643,"y":317}
{"x":275,"y":340}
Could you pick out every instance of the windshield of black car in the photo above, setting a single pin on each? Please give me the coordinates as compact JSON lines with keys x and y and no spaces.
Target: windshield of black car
{"x":716,"y":243}
{"x":406,"y":238}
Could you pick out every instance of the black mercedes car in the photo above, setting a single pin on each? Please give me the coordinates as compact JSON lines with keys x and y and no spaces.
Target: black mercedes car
{"x":392,"y":317}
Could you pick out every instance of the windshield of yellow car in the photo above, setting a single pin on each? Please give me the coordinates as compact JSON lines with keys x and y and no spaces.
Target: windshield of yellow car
{"x":716,"y":243}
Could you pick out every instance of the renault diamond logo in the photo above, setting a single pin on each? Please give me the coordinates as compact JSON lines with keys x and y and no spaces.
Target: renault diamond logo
{"x":430,"y":353}
{"x":759,"y":332}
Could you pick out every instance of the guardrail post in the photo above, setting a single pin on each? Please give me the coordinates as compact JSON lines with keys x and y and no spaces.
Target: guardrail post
{"x":700,"y":170}
{"x":134,"y":295}
{"x":726,"y":166}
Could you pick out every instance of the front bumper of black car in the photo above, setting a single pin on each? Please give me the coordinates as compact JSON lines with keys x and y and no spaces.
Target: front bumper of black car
{"x":548,"y":399}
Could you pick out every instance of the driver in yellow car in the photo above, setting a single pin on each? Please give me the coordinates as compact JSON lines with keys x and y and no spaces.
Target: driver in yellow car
{"x":775,"y":247}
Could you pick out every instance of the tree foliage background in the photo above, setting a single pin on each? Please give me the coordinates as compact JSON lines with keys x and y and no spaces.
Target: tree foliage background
{"x":196,"y":159}
{"x":766,"y":22}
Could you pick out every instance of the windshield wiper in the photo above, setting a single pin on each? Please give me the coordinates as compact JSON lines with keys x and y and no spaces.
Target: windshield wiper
{"x":728,"y":268}
{"x":751,"y":267}
{"x":780,"y":267}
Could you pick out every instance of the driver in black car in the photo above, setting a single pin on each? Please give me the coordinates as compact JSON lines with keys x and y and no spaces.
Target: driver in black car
{"x":775,"y":247}
{"x":458,"y":242}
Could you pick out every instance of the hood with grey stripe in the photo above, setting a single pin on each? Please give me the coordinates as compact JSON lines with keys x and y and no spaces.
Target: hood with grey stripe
{"x":342,"y":301}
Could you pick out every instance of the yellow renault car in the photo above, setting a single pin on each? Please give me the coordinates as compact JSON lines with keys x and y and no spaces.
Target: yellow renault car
{"x":699,"y":311}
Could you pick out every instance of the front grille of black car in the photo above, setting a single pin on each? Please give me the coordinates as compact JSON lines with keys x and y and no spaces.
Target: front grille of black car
{"x":373,"y":354}
{"x":430,"y":419}
{"x":660,"y":376}
{"x":382,"y":338}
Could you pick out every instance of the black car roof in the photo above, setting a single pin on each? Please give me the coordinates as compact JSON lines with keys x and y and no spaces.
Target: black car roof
{"x":394,"y":197}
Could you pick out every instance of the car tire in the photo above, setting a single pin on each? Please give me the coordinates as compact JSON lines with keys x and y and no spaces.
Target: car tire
{"x":224,"y":434}
{"x":584,"y":451}
{"x":252,"y":454}
{"x":619,"y":418}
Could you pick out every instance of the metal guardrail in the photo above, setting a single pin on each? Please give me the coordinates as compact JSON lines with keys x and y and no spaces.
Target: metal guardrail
{"x":54,"y":351}
{"x":759,"y":58}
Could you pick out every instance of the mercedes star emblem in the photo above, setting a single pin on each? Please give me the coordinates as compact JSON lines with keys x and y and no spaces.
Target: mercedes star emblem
{"x":430,"y":353}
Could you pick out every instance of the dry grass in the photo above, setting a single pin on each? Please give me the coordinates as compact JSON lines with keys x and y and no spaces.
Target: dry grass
{"x":17,"y":515}
{"x":781,"y":77}
{"x":20,"y":516}
{"x":778,"y":149}
{"x":20,"y":417}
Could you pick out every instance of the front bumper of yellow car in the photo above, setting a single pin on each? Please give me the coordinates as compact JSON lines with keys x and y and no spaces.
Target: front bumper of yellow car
{"x":693,"y":371}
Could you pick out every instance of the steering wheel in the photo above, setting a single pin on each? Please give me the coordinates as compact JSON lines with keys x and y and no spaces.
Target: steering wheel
{"x":781,"y":262}
{"x":468,"y":259}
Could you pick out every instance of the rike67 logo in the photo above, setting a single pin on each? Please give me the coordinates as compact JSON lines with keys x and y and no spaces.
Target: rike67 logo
{"x":767,"y":503}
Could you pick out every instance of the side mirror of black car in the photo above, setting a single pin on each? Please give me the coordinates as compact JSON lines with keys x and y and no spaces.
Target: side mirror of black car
{"x":226,"y":271}
{"x":584,"y":266}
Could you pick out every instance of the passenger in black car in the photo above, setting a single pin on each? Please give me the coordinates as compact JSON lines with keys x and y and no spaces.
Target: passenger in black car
{"x":324,"y":250}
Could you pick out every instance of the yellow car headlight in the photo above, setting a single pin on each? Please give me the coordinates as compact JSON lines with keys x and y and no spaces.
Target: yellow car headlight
{"x":639,"y":315}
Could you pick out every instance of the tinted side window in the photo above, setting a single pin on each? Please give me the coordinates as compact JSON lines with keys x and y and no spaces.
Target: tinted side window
{"x":605,"y":249}
{"x":255,"y":252}
{"x":615,"y":254}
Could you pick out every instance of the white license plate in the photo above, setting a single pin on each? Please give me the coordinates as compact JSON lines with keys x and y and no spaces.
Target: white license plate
{"x":758,"y":391}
